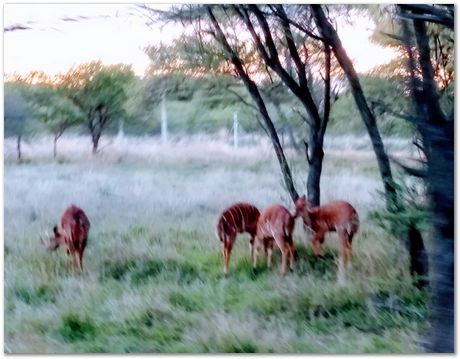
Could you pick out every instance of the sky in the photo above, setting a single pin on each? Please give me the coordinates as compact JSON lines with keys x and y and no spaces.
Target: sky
{"x":117,"y":33}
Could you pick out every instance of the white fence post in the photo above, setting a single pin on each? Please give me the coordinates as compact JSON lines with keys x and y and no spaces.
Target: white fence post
{"x":235,"y":130}
{"x":164,"y":120}
{"x":121,"y":133}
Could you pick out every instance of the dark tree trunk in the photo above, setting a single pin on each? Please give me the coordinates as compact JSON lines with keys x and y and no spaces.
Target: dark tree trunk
{"x":414,"y":238}
{"x":55,"y":146}
{"x":437,"y":133}
{"x":441,"y":178}
{"x":315,"y":159}
{"x":418,"y":257}
{"x":18,"y":146}
{"x":329,"y":33}
{"x":95,"y":139}
{"x":299,"y":87}
{"x":256,"y":96}
{"x":438,"y":138}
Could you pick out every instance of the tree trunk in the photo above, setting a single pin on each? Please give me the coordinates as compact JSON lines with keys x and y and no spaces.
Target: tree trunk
{"x":18,"y":146}
{"x":55,"y":146}
{"x":299,"y":87}
{"x":438,"y":138}
{"x":418,"y":257}
{"x":329,"y":33}
{"x":257,"y":98}
{"x":441,"y":187}
{"x":414,"y":237}
{"x":95,"y":139}
{"x":315,"y":160}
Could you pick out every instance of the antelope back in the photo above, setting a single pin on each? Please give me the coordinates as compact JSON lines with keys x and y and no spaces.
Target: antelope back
{"x":333,"y":216}
{"x":240,"y":217}
{"x":275,"y":220}
{"x":75,"y":225}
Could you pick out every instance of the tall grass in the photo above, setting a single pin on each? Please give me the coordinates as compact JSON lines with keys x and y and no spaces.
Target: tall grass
{"x":153,"y":268}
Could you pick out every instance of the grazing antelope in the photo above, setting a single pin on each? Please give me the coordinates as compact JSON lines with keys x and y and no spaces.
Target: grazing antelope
{"x":337,"y":216}
{"x":276,"y":225}
{"x":239,"y":218}
{"x":73,"y":232}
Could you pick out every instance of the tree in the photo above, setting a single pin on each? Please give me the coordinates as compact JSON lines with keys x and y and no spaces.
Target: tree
{"x":277,"y":56}
{"x":297,"y":82}
{"x":437,"y":131}
{"x":16,"y":114}
{"x":386,"y":99}
{"x":57,"y":112}
{"x":331,"y":37}
{"x":441,"y":42}
{"x":100,"y":93}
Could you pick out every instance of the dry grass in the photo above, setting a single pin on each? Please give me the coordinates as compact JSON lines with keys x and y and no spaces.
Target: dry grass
{"x":153,"y":280}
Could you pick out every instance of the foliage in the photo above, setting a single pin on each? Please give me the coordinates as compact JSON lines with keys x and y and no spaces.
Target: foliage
{"x":387,"y":99}
{"x":412,"y":209}
{"x":17,"y":114}
{"x":186,"y":55}
{"x":57,"y":112}
{"x":388,"y":32}
{"x":100,"y":92}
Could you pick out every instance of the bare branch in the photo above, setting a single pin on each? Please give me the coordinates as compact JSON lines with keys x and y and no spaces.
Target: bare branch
{"x":416,"y":172}
{"x":327,"y":88}
{"x":241,"y":98}
{"x":292,"y":47}
{"x":386,"y":108}
{"x":297,"y":25}
{"x":306,"y":152}
{"x":427,"y":13}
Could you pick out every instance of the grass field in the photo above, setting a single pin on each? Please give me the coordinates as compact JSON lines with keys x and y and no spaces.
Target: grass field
{"x":153,"y":278}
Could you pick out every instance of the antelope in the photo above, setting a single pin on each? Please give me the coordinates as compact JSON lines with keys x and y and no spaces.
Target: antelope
{"x":239,"y":218}
{"x":73,"y":232}
{"x":275,"y":226}
{"x":336,"y":216}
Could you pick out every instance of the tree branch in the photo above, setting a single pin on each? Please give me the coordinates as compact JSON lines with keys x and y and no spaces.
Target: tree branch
{"x":327,"y":88}
{"x":428,"y":13}
{"x":306,"y":152}
{"x":416,"y":172}
{"x":296,"y":25}
{"x":301,"y":92}
{"x":292,"y":47}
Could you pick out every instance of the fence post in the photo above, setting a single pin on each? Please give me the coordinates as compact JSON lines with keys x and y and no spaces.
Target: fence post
{"x":164,"y":120}
{"x":235,"y":130}
{"x":121,"y":133}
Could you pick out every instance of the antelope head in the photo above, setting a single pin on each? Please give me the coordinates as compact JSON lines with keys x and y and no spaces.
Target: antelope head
{"x":51,"y":242}
{"x":304,"y":210}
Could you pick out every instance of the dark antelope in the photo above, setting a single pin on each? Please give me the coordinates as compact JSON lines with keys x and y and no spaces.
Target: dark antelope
{"x":73,"y":233}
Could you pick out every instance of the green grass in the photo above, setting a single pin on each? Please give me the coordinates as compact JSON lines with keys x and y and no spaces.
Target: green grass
{"x":153,"y":278}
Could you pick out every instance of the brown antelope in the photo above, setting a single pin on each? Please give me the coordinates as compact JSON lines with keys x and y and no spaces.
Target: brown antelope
{"x":337,"y":216}
{"x":276,"y":225}
{"x":73,"y":232}
{"x":239,"y":218}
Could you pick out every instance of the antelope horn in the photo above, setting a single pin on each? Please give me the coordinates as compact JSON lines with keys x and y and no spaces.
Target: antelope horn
{"x":42,"y":239}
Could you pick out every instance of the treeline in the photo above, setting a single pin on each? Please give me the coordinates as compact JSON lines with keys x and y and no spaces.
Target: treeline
{"x":95,"y":99}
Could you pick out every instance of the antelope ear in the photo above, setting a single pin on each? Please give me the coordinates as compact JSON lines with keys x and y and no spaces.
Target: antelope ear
{"x":56,"y":231}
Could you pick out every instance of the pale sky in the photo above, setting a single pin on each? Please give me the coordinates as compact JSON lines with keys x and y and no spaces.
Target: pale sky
{"x":117,"y":33}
